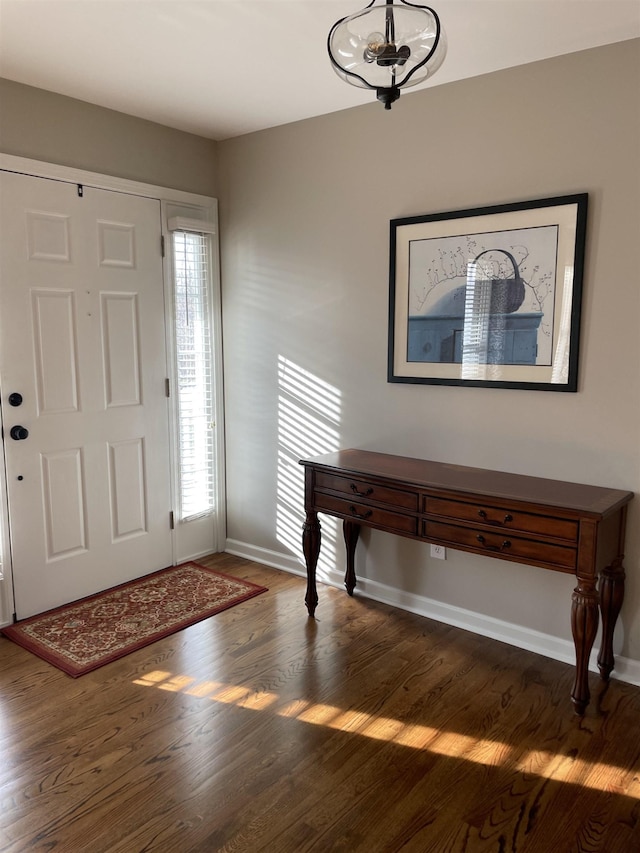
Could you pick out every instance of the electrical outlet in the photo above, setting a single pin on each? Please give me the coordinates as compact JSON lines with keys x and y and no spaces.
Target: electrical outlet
{"x":439,"y":552}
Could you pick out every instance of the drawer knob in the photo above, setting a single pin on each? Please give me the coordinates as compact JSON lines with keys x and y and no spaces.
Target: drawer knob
{"x":506,"y":544}
{"x":364,"y":494}
{"x":357,"y":514}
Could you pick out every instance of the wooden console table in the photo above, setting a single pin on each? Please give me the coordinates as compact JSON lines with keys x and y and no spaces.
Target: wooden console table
{"x":565,"y":527}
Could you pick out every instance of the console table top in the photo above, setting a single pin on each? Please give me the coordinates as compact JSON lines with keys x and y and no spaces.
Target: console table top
{"x":586,"y":500}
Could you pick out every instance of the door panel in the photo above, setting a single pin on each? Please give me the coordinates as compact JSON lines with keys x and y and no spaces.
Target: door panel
{"x":65,"y":503}
{"x":53,"y":318}
{"x":82,"y":338}
{"x":127,"y":486}
{"x":120,"y":332}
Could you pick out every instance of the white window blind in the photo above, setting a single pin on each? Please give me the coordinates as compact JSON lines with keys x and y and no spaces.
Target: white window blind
{"x":194,"y":372}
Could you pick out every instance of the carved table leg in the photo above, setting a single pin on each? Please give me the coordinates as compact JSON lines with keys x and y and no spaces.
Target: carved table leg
{"x":311,"y":551}
{"x":584,"y":624}
{"x":611,"y":597}
{"x":351,"y":532}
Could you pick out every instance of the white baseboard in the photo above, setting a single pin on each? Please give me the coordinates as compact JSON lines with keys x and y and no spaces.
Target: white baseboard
{"x":273,"y":559}
{"x":556,"y":648}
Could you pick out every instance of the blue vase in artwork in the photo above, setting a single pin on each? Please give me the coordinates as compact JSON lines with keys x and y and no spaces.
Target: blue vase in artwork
{"x":478,"y":321}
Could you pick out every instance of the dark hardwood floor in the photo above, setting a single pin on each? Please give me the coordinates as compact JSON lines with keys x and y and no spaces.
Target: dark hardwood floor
{"x":368,"y":729}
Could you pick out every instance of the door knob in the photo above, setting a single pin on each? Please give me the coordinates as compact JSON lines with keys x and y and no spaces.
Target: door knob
{"x":19,"y":433}
{"x":15,"y":399}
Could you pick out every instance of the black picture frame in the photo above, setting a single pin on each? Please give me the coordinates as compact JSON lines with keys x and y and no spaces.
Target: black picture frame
{"x":490,"y":296}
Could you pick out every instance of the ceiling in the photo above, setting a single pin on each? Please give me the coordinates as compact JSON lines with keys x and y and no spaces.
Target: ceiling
{"x":222,"y":68}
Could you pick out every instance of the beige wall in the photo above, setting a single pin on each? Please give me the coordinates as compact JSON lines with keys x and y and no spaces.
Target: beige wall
{"x":44,"y":126}
{"x":305,"y":212}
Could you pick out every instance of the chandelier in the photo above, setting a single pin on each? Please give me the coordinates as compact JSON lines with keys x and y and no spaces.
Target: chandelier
{"x":387,"y":47}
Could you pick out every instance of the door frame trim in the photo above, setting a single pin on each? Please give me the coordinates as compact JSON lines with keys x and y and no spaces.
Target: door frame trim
{"x":69,"y":174}
{"x":165,"y":195}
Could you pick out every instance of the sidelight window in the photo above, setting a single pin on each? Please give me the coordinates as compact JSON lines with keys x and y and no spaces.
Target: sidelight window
{"x":194,"y":373}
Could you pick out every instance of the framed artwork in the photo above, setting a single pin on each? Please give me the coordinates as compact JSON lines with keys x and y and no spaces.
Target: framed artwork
{"x":488,"y":297}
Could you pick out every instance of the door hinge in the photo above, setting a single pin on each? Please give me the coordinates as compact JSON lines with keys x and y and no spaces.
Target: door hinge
{"x":167,"y":387}
{"x":162,"y":245}
{"x":80,"y":190}
{"x":172,"y":523}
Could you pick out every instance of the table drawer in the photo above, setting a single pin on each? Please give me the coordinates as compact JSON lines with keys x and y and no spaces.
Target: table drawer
{"x":364,"y":514}
{"x":504,"y":518}
{"x":501,"y":544}
{"x":363,"y":490}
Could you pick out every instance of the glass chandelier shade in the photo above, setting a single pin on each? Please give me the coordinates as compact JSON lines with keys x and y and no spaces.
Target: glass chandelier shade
{"x":387,"y":47}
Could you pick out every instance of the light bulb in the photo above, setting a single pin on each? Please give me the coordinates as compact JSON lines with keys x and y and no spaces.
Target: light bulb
{"x":375,"y":46}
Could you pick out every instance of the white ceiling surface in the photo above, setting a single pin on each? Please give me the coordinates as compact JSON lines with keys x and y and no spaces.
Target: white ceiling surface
{"x":222,"y":68}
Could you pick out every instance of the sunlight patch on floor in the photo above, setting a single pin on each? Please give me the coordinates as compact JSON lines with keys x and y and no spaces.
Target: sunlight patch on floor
{"x":542,"y":763}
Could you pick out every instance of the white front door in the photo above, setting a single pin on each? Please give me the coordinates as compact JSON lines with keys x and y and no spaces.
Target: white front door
{"x":82,"y":341}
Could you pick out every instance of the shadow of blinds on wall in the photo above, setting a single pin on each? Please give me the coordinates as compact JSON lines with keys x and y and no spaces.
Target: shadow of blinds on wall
{"x":192,"y":253}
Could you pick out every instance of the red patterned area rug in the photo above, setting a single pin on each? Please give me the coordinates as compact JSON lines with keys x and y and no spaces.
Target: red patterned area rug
{"x":89,"y":633}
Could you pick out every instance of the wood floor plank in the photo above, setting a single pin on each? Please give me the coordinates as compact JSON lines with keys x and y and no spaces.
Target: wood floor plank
{"x":367,"y":729}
